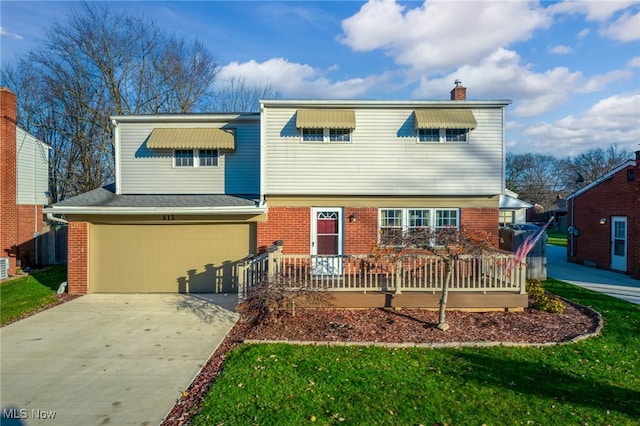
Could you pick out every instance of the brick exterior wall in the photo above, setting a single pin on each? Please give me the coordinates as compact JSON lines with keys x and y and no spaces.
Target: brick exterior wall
{"x":292,"y":225}
{"x":18,"y":222}
{"x":8,"y":210}
{"x":78,"y":254}
{"x":482,"y":221}
{"x":614,"y":197}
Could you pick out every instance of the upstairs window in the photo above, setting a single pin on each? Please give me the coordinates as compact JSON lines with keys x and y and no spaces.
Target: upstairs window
{"x":325,"y":125}
{"x":195,"y":158}
{"x":183,"y":157}
{"x":439,"y":125}
{"x":442,"y":135}
{"x":326,"y":135}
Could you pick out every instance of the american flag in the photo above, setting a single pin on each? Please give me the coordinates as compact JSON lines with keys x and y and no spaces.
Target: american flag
{"x":527,"y":245}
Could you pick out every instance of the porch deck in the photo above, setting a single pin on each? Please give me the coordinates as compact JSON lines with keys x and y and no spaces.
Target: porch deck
{"x":464,"y":301}
{"x":479,"y":283}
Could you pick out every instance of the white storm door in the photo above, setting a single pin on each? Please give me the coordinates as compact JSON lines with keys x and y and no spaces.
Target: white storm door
{"x":326,"y":241}
{"x":619,"y":243}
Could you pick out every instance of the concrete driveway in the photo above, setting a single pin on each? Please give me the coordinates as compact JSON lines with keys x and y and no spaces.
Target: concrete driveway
{"x":108,"y":358}
{"x":612,"y":283}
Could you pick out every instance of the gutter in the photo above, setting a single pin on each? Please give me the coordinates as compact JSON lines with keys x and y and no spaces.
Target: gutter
{"x":156,"y":210}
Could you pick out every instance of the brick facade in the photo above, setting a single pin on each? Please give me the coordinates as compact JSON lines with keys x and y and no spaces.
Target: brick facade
{"x":292,"y":225}
{"x":78,"y":254}
{"x":19,"y":222}
{"x":617,"y":196}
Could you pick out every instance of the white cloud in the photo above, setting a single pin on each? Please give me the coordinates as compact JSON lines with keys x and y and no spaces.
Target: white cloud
{"x":5,"y":32}
{"x":560,"y":50}
{"x":501,"y":75}
{"x":634,"y":62}
{"x":434,"y":37}
{"x":298,"y":80}
{"x":610,"y":120}
{"x":625,"y":28}
{"x":593,"y":10}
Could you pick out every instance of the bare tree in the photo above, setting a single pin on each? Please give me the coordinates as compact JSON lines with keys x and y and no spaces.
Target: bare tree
{"x":537,"y":178}
{"x":593,"y":164}
{"x":236,"y":95}
{"x":450,"y":245}
{"x":101,"y":63}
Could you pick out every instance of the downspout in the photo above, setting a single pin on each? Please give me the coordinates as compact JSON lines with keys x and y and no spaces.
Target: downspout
{"x":116,"y":145}
{"x":573,"y":235}
{"x":52,"y":218}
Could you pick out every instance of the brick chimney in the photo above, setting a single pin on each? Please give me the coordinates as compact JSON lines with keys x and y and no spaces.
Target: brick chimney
{"x":458,"y":93}
{"x":8,"y":194}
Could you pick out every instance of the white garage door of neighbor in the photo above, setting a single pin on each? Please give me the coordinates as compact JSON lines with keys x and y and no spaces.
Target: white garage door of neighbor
{"x":199,"y":258}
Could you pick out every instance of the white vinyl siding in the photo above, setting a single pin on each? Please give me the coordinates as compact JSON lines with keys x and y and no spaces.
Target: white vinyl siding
{"x":383,"y":157}
{"x":32,"y":169}
{"x":152,"y":171}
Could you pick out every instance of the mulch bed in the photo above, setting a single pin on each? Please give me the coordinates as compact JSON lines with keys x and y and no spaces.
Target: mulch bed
{"x":380,"y":326}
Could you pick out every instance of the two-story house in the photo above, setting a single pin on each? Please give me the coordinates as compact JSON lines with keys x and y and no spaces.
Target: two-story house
{"x":195,"y":194}
{"x":24,"y":183}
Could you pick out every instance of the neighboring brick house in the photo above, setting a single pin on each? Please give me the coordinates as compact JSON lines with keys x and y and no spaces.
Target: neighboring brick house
{"x":24,"y":175}
{"x":195,"y":194}
{"x":604,"y":221}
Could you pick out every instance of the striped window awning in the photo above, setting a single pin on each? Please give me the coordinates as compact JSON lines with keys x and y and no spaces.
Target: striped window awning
{"x":195,"y":138}
{"x":325,"y":119}
{"x":445,"y":119}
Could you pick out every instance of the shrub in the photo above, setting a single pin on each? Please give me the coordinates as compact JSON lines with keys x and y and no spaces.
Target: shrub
{"x":542,"y":300}
{"x":278,"y":296}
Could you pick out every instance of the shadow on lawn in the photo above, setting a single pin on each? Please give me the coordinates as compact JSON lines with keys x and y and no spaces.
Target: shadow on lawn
{"x":537,"y":379}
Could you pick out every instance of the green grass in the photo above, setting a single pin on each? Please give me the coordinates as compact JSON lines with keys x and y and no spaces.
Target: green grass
{"x":28,"y":294}
{"x":557,"y":238}
{"x":595,"y":381}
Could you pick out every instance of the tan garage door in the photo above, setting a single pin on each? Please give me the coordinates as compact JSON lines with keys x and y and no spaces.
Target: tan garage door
{"x":200,"y":258}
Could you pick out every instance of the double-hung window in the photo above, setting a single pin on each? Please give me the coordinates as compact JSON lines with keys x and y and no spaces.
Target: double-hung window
{"x":410,"y":222}
{"x":326,"y":135}
{"x":195,"y":158}
{"x":443,"y":135}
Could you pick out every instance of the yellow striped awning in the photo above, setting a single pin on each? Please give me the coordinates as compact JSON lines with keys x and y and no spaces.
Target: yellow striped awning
{"x":325,"y":118}
{"x":445,"y":119}
{"x":196,"y":138}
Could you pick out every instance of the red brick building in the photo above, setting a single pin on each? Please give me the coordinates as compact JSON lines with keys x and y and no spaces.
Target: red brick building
{"x":604,"y":221}
{"x":23,"y":187}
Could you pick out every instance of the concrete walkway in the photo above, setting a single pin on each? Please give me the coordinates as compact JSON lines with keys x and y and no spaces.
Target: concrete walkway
{"x":612,"y":283}
{"x":108,"y":358}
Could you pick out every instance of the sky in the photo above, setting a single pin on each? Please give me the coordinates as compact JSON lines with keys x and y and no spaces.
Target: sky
{"x":570,"y":68}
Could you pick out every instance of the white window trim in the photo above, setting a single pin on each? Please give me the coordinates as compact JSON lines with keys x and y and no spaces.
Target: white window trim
{"x":196,"y":159}
{"x":443,"y":137}
{"x":405,"y":218}
{"x":326,"y":136}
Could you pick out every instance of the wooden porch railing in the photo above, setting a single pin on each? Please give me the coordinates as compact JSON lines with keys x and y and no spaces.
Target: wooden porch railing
{"x":364,"y":273}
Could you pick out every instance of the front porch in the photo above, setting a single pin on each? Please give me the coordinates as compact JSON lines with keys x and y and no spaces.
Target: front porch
{"x":478,"y":283}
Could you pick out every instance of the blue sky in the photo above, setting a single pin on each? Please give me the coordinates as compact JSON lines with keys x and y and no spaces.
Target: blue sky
{"x":571,"y":68}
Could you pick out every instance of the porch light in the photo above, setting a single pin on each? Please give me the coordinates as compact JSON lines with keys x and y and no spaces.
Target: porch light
{"x":353,"y":217}
{"x":603,"y":220}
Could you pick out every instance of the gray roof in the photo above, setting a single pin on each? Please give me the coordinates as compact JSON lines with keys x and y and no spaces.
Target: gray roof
{"x":106,"y":197}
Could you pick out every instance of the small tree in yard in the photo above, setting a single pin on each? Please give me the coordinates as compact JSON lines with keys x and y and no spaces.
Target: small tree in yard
{"x":449,"y":245}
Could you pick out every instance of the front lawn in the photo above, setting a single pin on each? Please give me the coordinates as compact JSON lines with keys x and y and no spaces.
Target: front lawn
{"x":595,"y":381}
{"x":25,"y":295}
{"x":556,"y":238}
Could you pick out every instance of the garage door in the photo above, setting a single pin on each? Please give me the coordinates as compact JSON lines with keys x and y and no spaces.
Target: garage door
{"x":199,"y":258}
